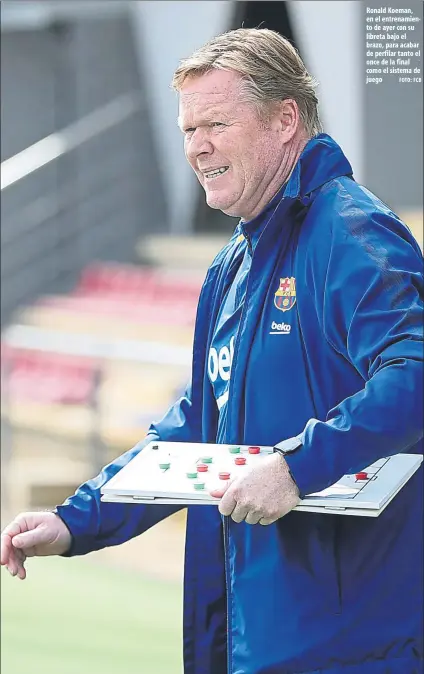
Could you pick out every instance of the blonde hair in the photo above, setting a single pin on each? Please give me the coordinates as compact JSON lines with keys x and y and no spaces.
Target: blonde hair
{"x":270,"y":66}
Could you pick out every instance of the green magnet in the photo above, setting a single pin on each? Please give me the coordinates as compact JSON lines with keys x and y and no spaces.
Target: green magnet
{"x":206,"y":459}
{"x":234,"y":450}
{"x":192,"y":475}
{"x":199,"y":485}
{"x":164,"y":466}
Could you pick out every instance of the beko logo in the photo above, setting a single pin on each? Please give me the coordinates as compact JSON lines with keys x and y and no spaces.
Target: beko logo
{"x":280,"y":328}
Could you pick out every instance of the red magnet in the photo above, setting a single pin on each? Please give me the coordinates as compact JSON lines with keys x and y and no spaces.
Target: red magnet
{"x":240,"y":461}
{"x":202,"y":468}
{"x":224,"y":476}
{"x":254,"y":450}
{"x":361,"y":476}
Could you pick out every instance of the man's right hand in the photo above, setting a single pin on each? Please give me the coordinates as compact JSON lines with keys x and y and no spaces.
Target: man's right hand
{"x":32,"y":535}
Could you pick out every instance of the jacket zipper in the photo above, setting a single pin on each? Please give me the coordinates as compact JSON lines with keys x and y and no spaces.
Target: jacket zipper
{"x":227,"y":588}
{"x":236,"y":343}
{"x":249,"y":243}
{"x":226,"y":522}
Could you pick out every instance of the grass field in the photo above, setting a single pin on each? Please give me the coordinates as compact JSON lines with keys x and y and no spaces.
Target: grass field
{"x":74,"y":616}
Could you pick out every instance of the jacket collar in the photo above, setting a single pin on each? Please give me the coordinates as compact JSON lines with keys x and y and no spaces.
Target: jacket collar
{"x":322,"y":160}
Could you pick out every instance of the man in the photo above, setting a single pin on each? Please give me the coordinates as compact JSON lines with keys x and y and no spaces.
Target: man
{"x":309,"y":337}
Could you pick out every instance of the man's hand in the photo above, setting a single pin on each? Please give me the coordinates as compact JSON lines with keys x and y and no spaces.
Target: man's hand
{"x":32,"y":535}
{"x":263,"y":495}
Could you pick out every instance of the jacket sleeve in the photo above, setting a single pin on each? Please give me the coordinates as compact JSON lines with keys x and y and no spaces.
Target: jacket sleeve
{"x":95,"y":524}
{"x":367,"y":282}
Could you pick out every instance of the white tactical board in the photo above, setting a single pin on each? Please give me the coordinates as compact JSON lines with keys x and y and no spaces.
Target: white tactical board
{"x":184,"y":473}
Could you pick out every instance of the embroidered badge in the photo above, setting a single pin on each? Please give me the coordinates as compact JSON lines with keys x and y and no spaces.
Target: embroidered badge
{"x":285,"y":297}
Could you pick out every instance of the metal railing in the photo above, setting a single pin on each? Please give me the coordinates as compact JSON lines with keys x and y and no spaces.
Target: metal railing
{"x":57,"y":144}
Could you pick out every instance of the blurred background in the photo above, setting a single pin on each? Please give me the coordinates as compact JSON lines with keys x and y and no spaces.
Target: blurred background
{"x":105,"y":239}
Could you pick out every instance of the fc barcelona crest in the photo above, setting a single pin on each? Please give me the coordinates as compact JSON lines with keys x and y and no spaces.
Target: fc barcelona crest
{"x":285,"y":297}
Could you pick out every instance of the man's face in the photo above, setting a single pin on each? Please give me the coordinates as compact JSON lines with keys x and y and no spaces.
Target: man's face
{"x":223,"y":132}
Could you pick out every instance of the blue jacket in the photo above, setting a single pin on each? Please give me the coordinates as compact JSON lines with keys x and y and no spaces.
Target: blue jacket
{"x":311,"y":593}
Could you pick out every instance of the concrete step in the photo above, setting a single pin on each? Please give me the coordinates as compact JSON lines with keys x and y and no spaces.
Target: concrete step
{"x":184,"y":253}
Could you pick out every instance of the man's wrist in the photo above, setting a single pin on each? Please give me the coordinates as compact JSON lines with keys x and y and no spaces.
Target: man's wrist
{"x":289,"y":446}
{"x":285,"y":449}
{"x":67,"y":551}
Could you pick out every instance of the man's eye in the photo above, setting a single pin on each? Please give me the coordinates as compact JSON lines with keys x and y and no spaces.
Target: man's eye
{"x":217,"y":124}
{"x":189,"y":130}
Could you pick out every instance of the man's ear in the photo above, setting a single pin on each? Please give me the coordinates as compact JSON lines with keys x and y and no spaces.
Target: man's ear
{"x":287,"y":117}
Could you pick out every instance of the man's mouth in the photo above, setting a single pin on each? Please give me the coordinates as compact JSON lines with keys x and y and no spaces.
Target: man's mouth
{"x":216,"y":172}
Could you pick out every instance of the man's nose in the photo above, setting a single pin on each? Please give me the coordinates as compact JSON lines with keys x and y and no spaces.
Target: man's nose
{"x":198,"y":144}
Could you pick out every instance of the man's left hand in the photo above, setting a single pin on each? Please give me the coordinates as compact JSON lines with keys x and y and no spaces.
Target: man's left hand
{"x":262,"y":495}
